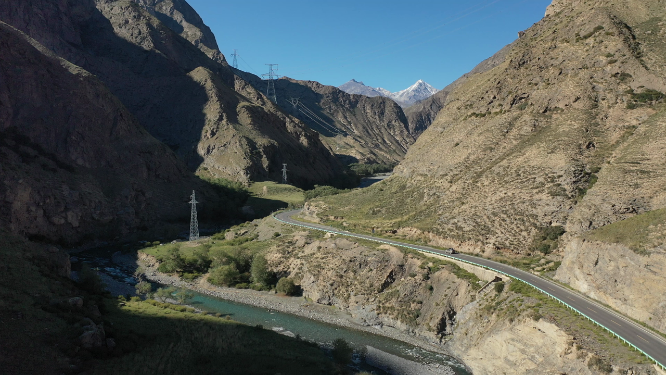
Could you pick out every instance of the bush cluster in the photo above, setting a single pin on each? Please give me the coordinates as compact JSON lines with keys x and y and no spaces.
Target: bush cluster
{"x":323,"y":191}
{"x":365,"y":170}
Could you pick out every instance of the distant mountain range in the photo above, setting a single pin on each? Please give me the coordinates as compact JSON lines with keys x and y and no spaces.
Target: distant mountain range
{"x":405,"y":98}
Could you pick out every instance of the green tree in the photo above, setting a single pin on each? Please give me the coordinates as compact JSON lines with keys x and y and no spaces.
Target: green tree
{"x":162,"y":294}
{"x":342,"y":351}
{"x":286,"y":285}
{"x":224,"y":275}
{"x":184,"y":295}
{"x":143,"y":288}
{"x":172,"y":261}
{"x":259,"y":270}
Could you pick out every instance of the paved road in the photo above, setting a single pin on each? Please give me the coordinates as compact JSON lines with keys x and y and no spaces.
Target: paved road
{"x":649,"y":343}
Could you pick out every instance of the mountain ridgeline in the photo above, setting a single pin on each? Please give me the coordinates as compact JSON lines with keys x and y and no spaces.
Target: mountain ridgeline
{"x":358,"y":128}
{"x":405,"y":98}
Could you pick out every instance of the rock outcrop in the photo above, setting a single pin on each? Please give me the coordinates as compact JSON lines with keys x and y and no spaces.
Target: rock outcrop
{"x":630,"y":283}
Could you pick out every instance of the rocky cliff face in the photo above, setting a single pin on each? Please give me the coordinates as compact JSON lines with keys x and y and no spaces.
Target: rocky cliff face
{"x":445,"y":305}
{"x":357,"y":128}
{"x":157,"y":70}
{"x":180,"y":17}
{"x":74,"y":159}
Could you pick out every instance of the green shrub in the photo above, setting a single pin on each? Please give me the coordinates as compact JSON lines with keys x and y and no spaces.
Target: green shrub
{"x":499,"y":287}
{"x":342,"y":351}
{"x":594,"y":31}
{"x":323,"y":191}
{"x":89,"y":280}
{"x":598,"y":363}
{"x":286,"y":285}
{"x":364,"y":170}
{"x":224,"y":275}
{"x":172,"y":261}
{"x":242,"y":286}
{"x":648,"y":95}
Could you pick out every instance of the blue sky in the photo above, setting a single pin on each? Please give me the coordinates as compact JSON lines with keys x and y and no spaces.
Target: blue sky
{"x":384,"y":43}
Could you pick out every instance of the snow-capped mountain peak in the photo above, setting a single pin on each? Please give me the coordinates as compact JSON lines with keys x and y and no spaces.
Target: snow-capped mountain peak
{"x":414,"y":93}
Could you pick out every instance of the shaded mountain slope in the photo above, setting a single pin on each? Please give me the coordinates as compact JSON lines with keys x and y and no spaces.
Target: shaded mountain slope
{"x":152,"y":70}
{"x":356,"y":127}
{"x":75,"y":164}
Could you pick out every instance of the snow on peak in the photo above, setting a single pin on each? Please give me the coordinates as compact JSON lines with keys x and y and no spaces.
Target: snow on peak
{"x":414,"y":93}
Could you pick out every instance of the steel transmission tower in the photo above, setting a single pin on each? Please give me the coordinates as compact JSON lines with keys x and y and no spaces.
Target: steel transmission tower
{"x":194,"y":223}
{"x":272,"y":75}
{"x":284,"y":173}
{"x":235,"y":62}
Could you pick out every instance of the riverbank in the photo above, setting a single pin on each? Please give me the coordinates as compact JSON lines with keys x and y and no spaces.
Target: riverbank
{"x":301,"y":307}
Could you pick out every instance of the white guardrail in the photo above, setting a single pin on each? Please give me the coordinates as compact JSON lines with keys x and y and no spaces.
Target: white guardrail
{"x":349,"y":234}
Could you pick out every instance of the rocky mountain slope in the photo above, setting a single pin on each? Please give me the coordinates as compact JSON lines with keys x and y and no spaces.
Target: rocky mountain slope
{"x":357,"y":128}
{"x":163,"y":64}
{"x":563,"y":137}
{"x":423,"y":113}
{"x":405,"y":98}
{"x":74,"y":161}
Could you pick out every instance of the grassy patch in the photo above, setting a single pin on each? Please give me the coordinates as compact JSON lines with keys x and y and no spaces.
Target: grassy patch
{"x":268,"y":196}
{"x":151,"y":339}
{"x":639,"y":233}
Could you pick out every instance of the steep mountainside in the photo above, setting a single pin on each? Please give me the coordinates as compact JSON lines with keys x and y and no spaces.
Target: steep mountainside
{"x":213,"y":120}
{"x":74,"y":162}
{"x":357,"y":128}
{"x":422,"y":114}
{"x":565,"y":135}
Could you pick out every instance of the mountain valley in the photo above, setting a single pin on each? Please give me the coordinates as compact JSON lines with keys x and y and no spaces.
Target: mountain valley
{"x":549,"y":156}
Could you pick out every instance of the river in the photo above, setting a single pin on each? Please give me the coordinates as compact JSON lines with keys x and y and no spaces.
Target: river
{"x":403,"y":358}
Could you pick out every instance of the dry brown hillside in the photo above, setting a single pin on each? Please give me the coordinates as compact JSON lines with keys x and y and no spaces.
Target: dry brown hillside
{"x":567,"y":134}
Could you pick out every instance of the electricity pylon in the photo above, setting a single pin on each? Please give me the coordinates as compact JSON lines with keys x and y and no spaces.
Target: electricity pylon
{"x":272,"y":75}
{"x":235,"y":62}
{"x":194,"y":223}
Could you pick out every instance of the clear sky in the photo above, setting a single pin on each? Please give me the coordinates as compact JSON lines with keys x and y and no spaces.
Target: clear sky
{"x":384,"y":43}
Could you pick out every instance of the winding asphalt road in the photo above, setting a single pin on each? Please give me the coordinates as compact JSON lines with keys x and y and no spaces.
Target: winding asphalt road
{"x":623,"y":328}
